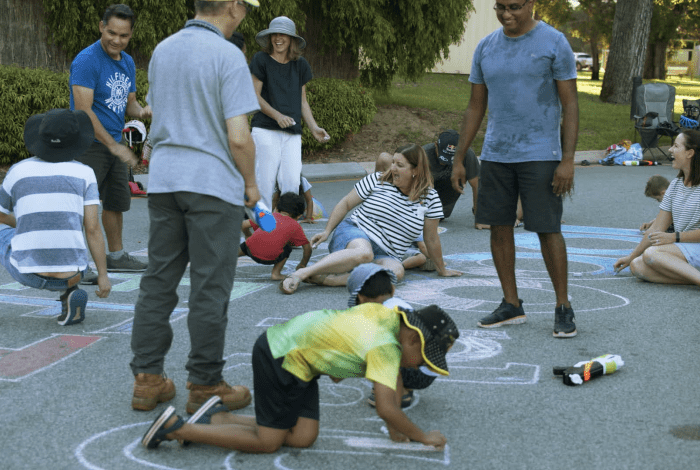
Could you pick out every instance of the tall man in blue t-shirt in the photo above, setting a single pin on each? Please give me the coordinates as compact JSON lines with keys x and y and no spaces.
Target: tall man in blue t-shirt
{"x":103,"y":84}
{"x":525,"y":74}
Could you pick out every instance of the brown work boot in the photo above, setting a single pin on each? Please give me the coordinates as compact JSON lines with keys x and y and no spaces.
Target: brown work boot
{"x":151,"y":389}
{"x":233,"y":398}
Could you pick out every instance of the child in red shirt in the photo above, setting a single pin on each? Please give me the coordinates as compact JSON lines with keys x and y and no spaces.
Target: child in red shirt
{"x":276,"y":246}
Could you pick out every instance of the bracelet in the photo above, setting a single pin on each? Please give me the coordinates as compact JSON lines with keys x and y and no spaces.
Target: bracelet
{"x":678,"y":237}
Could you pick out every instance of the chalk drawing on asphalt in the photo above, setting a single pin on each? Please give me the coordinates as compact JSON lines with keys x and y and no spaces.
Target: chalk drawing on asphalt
{"x":372,"y":447}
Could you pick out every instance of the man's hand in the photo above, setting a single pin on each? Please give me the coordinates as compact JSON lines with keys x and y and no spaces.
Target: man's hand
{"x":252,"y":196}
{"x":459,"y":177}
{"x":146,"y":112}
{"x":104,"y":287}
{"x":563,"y":181}
{"x":124,"y":153}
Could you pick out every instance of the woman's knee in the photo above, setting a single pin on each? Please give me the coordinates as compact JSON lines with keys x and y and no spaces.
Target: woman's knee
{"x":399,"y":271}
{"x":394,"y":265}
{"x":651,"y":256}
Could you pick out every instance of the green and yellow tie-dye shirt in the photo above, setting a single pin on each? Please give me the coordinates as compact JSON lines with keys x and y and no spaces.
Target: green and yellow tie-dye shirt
{"x":358,"y":342}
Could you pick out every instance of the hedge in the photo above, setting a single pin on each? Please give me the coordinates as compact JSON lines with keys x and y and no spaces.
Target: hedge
{"x":340,"y":107}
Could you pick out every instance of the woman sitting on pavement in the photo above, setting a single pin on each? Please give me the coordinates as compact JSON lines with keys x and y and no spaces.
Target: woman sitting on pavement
{"x":673,"y":258}
{"x":394,"y":207}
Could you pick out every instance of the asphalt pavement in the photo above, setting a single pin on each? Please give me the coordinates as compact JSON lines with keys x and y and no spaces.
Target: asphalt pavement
{"x":65,"y":391}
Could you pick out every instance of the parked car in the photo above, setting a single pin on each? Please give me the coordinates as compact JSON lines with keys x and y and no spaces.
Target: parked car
{"x":583,"y":61}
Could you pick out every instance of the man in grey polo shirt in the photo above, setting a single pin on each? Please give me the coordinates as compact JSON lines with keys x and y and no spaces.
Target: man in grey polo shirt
{"x":202,"y":166}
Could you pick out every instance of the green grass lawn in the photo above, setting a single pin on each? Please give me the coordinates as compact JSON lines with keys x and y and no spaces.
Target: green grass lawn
{"x":601,"y":124}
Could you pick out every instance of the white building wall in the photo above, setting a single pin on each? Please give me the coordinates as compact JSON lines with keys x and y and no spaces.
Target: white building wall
{"x":480,"y":23}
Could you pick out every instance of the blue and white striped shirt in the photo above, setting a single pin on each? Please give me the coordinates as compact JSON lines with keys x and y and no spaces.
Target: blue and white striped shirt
{"x":48,"y":202}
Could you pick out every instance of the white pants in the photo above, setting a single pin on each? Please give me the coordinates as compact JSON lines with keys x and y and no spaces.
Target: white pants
{"x":277,"y":159}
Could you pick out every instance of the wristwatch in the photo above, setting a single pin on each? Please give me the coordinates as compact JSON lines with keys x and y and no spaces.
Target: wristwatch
{"x":678,"y":237}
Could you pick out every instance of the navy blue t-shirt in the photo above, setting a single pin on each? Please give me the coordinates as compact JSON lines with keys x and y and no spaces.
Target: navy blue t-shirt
{"x":281,"y":88}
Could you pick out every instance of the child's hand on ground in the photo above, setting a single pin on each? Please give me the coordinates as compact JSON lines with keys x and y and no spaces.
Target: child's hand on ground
{"x":397,"y":436}
{"x":435,"y":439}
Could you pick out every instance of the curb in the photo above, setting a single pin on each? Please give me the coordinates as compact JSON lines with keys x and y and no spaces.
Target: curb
{"x":358,"y":170}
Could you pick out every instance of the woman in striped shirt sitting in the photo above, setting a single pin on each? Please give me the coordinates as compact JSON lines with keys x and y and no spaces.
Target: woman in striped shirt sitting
{"x":673,"y":258}
{"x":395,"y":207}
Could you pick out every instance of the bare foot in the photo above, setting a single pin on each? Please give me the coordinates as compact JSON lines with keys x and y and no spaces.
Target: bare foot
{"x":277,"y":277}
{"x":482,"y":227}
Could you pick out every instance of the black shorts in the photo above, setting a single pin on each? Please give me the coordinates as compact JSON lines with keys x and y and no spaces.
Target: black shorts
{"x":286,"y":251}
{"x":442,"y":181}
{"x":112,"y":177}
{"x":500,"y":184}
{"x":281,"y":398}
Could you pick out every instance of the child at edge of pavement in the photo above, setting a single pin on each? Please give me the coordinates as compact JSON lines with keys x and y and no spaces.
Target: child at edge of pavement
{"x":411,"y":379}
{"x":369,"y":340}
{"x":45,"y":203}
{"x":656,"y":188}
{"x":305,"y":192}
{"x":275,"y":247}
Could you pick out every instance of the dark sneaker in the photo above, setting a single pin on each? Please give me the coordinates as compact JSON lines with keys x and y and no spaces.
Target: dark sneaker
{"x":233,"y":398}
{"x":125,"y":263}
{"x":90,"y":278}
{"x":564,"y":322}
{"x":505,"y":314}
{"x":151,"y":389}
{"x":73,"y":303}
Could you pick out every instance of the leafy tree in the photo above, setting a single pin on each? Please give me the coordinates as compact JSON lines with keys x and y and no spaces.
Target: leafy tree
{"x":627,"y":49}
{"x":374,"y":39}
{"x":74,"y":24}
{"x":672,"y":20}
{"x":555,"y":12}
{"x":593,"y":22}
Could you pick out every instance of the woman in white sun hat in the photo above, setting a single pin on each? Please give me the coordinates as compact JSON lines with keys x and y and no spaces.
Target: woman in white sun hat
{"x":280,"y":75}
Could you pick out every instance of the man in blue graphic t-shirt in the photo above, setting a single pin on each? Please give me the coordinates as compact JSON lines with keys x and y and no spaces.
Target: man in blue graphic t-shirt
{"x":103,"y":84}
{"x":525,"y":73}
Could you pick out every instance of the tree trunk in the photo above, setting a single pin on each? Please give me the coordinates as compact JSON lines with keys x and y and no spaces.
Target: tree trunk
{"x":328,"y":63}
{"x":660,"y":60}
{"x":23,"y":39}
{"x":648,"y":73}
{"x":627,"y":49}
{"x":655,"y":64}
{"x":595,"y":55}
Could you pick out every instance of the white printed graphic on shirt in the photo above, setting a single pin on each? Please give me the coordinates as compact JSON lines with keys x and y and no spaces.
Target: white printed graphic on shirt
{"x":120,"y":85}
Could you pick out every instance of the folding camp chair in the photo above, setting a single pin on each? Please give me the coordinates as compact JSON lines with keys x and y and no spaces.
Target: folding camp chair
{"x":654,"y":115}
{"x":691,"y":115}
